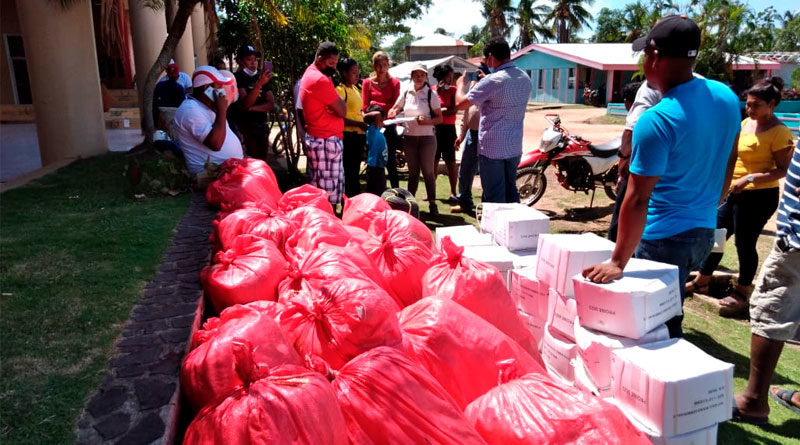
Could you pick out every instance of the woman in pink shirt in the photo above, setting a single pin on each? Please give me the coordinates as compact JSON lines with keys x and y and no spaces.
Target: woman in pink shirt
{"x":381,"y":89}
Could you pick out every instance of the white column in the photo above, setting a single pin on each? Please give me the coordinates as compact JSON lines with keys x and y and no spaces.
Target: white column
{"x":609,"y":85}
{"x":65,"y":81}
{"x":148,"y":33}
{"x":184,"y":52}
{"x":199,"y":34}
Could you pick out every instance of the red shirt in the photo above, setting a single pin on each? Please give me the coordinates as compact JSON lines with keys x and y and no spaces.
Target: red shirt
{"x":316,"y":94}
{"x":447,"y":96}
{"x":384,"y":97}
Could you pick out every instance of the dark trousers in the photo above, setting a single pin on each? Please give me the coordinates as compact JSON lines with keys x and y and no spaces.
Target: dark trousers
{"x":354,"y":148}
{"x":499,"y":179}
{"x":376,"y":180}
{"x":467,"y":170}
{"x":685,"y":250}
{"x":392,"y":145}
{"x":612,"y":227}
{"x":744,"y":215}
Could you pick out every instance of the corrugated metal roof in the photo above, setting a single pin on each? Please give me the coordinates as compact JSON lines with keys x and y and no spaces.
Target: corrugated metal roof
{"x":439,"y":40}
{"x":614,"y":56}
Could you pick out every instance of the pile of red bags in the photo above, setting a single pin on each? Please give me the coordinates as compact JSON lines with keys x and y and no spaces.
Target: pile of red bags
{"x":324,"y":335}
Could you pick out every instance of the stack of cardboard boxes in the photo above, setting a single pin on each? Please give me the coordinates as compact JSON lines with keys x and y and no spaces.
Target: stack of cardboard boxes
{"x":610,"y":339}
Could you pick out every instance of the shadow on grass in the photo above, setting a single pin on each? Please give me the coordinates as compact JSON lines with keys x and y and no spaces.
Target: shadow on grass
{"x":583,"y":214}
{"x":442,"y":220}
{"x":741,"y":364}
{"x":738,"y":433}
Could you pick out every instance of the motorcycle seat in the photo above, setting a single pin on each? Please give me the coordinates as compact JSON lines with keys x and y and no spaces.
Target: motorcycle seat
{"x":606,"y":149}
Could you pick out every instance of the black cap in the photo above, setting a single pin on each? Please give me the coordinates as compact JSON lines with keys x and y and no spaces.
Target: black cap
{"x":245,"y":50}
{"x":673,"y":35}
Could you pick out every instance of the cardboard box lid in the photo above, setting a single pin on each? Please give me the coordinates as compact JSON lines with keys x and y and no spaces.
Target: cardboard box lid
{"x":586,"y":337}
{"x":497,"y":256}
{"x":524,"y":258}
{"x":584,"y":242}
{"x":659,"y":360}
{"x":521,"y":212}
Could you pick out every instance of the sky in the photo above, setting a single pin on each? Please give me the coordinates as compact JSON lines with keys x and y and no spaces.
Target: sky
{"x":457,"y":16}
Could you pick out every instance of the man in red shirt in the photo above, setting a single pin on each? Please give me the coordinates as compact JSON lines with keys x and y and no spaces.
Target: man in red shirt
{"x":324,"y":111}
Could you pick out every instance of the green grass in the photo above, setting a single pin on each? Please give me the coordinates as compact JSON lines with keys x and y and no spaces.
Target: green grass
{"x":606,"y":120}
{"x":75,"y":255}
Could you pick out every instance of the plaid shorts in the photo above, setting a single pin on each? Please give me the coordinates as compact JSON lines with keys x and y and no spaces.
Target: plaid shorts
{"x":325,"y":165}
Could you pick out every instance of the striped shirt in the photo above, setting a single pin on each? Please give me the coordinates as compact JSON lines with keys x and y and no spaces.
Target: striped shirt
{"x":789,"y":210}
{"x":502,"y":98}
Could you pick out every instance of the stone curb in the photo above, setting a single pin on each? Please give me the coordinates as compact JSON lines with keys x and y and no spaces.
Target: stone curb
{"x":138,"y":401}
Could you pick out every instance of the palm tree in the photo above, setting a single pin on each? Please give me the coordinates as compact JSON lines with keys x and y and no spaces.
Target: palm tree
{"x":636,"y":21}
{"x":531,"y":22}
{"x":495,"y":13}
{"x":569,"y":16}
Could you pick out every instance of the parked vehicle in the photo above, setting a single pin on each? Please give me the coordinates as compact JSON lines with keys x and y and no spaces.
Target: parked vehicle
{"x":580,"y":165}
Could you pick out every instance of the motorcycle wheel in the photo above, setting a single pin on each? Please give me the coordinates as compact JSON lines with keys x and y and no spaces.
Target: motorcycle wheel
{"x":531,"y":183}
{"x":611,"y":190}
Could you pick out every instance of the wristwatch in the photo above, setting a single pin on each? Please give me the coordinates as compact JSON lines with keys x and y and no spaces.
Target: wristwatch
{"x":750,"y":178}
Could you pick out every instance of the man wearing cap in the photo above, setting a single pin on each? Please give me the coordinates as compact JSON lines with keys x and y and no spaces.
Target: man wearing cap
{"x":168,"y":93}
{"x":502,"y":98}
{"x":684,"y":151}
{"x":201,"y":124}
{"x":324,"y":111}
{"x":255,"y":101}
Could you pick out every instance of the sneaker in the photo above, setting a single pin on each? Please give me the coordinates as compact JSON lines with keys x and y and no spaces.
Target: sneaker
{"x":452,"y":200}
{"x":433,"y":210}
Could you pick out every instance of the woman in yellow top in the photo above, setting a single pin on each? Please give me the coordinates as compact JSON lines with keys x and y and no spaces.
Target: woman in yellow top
{"x":765,"y":150}
{"x":354,"y":137}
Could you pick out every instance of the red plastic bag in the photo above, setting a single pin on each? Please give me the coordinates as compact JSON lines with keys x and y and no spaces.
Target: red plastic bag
{"x":359,"y":235}
{"x":305,"y":196}
{"x":402,"y":261}
{"x":340,"y":320}
{"x":280,"y":405}
{"x":387,"y":398}
{"x":232,"y":190}
{"x":249,"y":271}
{"x":397,"y":221}
{"x":272,"y":225}
{"x":208,"y":374}
{"x":461,"y":350}
{"x":360,"y":210}
{"x":535,"y":409}
{"x":251,"y":165}
{"x":478,"y":287}
{"x":314,"y":228}
{"x":356,"y":254}
{"x":311,"y":272}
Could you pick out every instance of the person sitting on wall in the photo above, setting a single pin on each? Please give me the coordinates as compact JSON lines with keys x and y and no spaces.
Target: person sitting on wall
{"x":201,"y":125}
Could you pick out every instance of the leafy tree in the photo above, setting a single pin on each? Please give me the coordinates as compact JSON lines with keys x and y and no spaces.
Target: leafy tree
{"x":610,"y":26}
{"x":382,"y":18}
{"x":478,"y":38}
{"x":788,"y":36}
{"x":719,"y":22}
{"x":569,"y":17}
{"x":442,"y":31}
{"x":530,"y":20}
{"x":495,"y":11}
{"x":397,"y":50}
{"x":795,"y":81}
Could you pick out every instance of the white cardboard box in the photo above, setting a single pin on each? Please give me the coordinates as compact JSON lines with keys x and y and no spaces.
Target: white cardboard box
{"x":703,"y":436}
{"x":561,"y":313}
{"x":595,"y":348}
{"x":672,"y":387}
{"x":561,"y":256}
{"x":524,"y":258}
{"x":497,"y":256}
{"x":531,"y":298}
{"x":557,"y":354}
{"x":519,"y":227}
{"x":462,"y":236}
{"x":644,"y":298}
{"x":489,"y":214}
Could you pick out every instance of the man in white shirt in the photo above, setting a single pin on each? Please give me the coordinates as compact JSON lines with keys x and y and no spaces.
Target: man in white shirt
{"x":201,"y":124}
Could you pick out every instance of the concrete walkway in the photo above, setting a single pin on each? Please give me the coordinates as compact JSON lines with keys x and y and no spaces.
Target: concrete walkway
{"x":19,"y":148}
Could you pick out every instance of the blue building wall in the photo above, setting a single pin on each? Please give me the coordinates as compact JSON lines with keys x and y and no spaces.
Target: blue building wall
{"x":545,"y":66}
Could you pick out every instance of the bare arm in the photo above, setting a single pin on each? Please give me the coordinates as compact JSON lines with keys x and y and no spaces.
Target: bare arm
{"x":436,"y":119}
{"x":632,"y":219}
{"x":267,"y":106}
{"x":248,"y":99}
{"x":338,"y":108}
{"x":216,"y":137}
{"x":625,"y":151}
{"x":462,"y":103}
{"x":729,"y":170}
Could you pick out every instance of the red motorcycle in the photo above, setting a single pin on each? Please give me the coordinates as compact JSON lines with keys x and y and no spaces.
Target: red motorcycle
{"x":580,"y":166}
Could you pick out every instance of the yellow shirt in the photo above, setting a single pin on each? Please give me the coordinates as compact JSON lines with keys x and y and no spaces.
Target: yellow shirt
{"x":755,"y":153}
{"x":353,"y":102}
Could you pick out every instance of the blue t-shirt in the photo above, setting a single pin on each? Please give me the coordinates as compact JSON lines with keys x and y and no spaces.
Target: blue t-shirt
{"x":686,"y":139}
{"x":376,"y":147}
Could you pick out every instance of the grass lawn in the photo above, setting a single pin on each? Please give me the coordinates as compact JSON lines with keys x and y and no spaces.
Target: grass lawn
{"x":75,"y":254}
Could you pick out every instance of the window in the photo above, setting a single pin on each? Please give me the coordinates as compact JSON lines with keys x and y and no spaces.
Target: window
{"x":556,"y":78}
{"x":571,"y":79}
{"x":540,"y":80}
{"x":18,"y":67}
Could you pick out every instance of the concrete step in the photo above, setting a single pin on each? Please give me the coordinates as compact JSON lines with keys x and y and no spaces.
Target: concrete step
{"x":123,"y":118}
{"x":124,"y":98}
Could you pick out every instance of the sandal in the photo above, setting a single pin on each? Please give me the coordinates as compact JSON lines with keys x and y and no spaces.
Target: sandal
{"x":737,"y":416}
{"x":735,"y":305}
{"x":692,"y":287}
{"x":784,"y":397}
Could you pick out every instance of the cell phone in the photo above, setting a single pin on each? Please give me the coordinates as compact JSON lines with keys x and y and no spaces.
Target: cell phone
{"x":212,"y":94}
{"x":267,"y":66}
{"x":471,"y":76}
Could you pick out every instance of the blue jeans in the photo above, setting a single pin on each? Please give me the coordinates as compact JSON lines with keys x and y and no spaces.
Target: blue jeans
{"x":499,"y":179}
{"x":467,"y":170}
{"x":686,"y":250}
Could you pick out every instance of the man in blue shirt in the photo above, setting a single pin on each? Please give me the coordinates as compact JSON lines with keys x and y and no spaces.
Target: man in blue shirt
{"x":775,"y":309}
{"x":681,"y":148}
{"x":502,"y":98}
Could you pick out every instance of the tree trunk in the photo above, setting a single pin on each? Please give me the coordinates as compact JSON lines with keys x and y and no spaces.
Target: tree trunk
{"x":563,"y":34}
{"x":185,"y":8}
